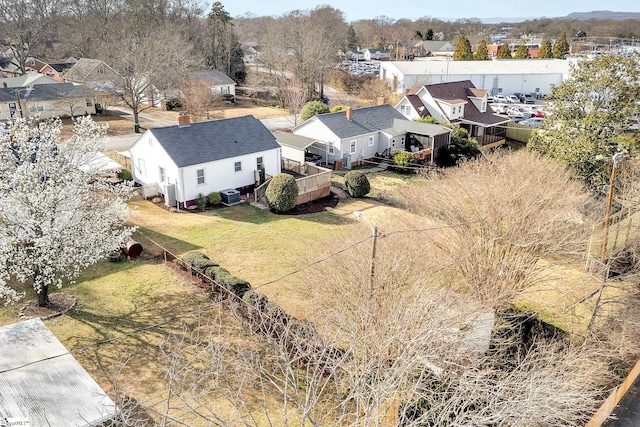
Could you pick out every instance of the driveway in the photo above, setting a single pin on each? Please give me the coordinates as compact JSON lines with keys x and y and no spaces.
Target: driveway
{"x":121,"y":143}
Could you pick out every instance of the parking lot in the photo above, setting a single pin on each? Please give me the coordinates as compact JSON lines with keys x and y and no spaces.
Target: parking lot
{"x":360,"y":68}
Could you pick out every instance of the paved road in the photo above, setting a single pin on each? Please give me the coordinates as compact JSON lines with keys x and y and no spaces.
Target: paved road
{"x":153,"y":118}
{"x":121,"y":143}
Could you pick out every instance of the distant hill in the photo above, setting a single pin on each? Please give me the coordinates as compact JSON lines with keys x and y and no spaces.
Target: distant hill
{"x":581,"y":16}
{"x":603,"y":14}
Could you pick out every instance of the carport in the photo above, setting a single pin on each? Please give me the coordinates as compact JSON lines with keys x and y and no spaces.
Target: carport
{"x":300,"y":149}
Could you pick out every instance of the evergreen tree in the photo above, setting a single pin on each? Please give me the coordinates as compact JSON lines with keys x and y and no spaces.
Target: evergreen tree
{"x":546,"y":50}
{"x":561,"y":47}
{"x":352,"y":39}
{"x":429,"y":34}
{"x":504,"y":52}
{"x":463,"y":50}
{"x":482,"y":53}
{"x":225,"y":53}
{"x":522,"y":52}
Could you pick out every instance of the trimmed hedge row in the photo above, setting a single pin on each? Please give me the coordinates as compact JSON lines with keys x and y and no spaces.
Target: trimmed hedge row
{"x":202,"y":263}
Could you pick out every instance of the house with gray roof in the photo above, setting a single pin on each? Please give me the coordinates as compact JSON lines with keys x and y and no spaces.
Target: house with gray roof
{"x":93,"y":73}
{"x":357,"y":135}
{"x":180,"y":162}
{"x":459,"y":103}
{"x":42,"y":384}
{"x":46,"y":100}
{"x":218,"y":82}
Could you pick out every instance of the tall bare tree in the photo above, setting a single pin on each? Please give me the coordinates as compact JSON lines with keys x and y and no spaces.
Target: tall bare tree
{"x":149,"y":63}
{"x":26,"y":24}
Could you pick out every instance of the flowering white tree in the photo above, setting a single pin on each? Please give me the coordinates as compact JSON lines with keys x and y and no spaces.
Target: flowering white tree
{"x":56,"y":218}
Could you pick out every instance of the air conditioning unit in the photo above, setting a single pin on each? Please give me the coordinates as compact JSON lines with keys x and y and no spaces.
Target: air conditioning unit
{"x":230,"y":196}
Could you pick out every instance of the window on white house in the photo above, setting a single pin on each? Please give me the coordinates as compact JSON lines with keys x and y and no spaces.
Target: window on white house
{"x":259,"y":162}
{"x":161,"y":173}
{"x":332,"y":149}
{"x":200,"y":176}
{"x":238,"y":166}
{"x":370,"y":141}
{"x":88,"y":102}
{"x":352,"y":149}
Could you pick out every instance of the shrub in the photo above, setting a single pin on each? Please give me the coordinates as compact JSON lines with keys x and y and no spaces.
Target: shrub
{"x":338,"y":108}
{"x":215,"y":271}
{"x":201,"y":202}
{"x":255,"y":299}
{"x":190,"y":256}
{"x":313,"y":108}
{"x":357,"y":184}
{"x":402,"y":158}
{"x":125,"y":175}
{"x":237,"y":285}
{"x":214,"y":199}
{"x":282,"y":192}
{"x":198,"y":260}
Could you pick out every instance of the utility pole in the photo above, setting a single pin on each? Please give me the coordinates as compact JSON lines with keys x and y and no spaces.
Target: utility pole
{"x":617,"y":158}
{"x":374,"y":235}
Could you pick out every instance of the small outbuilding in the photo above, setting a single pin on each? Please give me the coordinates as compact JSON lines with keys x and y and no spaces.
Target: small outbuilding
{"x":42,"y":384}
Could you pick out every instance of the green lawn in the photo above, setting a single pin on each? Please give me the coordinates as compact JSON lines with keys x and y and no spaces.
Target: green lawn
{"x":115,"y":299}
{"x":260,"y":246}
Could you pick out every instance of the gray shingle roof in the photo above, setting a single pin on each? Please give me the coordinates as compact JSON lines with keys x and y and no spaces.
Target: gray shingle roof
{"x":214,"y":77}
{"x":45,"y":92}
{"x":42,"y":382}
{"x":206,"y":142}
{"x":293,"y":140}
{"x":364,"y":120}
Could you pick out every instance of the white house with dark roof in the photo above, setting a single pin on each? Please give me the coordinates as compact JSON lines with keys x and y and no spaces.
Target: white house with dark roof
{"x":42,"y":384}
{"x":459,"y":103}
{"x":218,"y":82}
{"x":46,"y":100}
{"x":183,"y":161}
{"x":356,"y":135}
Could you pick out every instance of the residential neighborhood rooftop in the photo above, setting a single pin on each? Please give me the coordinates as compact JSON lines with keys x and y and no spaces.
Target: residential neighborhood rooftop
{"x":213,"y":76}
{"x":204,"y":142}
{"x":364,"y":120}
{"x":45,"y":92}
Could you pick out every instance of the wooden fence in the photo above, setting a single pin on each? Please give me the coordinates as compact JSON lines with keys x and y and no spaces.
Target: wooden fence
{"x":623,"y":226}
{"x":260,"y":192}
{"x":314,"y":186}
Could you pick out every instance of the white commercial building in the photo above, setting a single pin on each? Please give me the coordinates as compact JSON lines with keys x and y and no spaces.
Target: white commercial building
{"x":505,"y":76}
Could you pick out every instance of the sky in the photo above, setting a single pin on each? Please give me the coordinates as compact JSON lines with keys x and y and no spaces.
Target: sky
{"x":443,"y":9}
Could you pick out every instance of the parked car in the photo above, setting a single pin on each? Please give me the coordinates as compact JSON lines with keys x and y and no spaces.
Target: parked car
{"x":519,"y":111}
{"x":512,"y":99}
{"x":489,"y":99}
{"x":499,"y":98}
{"x":499,"y":108}
{"x":534,"y":122}
{"x":516,"y":117}
{"x":528,"y":98}
{"x":520,"y":96}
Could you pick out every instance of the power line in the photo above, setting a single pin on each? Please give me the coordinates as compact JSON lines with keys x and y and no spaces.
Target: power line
{"x":112,"y":339}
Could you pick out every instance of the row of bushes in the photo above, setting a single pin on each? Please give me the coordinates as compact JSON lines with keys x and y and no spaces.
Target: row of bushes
{"x":299,"y":337}
{"x":212,"y":199}
{"x":203,"y":264}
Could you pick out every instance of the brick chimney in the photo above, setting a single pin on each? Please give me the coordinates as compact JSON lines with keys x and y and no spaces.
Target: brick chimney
{"x":184,"y":119}
{"x":380,"y":100}
{"x":349,"y":113}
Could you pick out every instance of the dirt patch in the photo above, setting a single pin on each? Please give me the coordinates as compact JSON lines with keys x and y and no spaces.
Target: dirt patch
{"x":59,"y":305}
